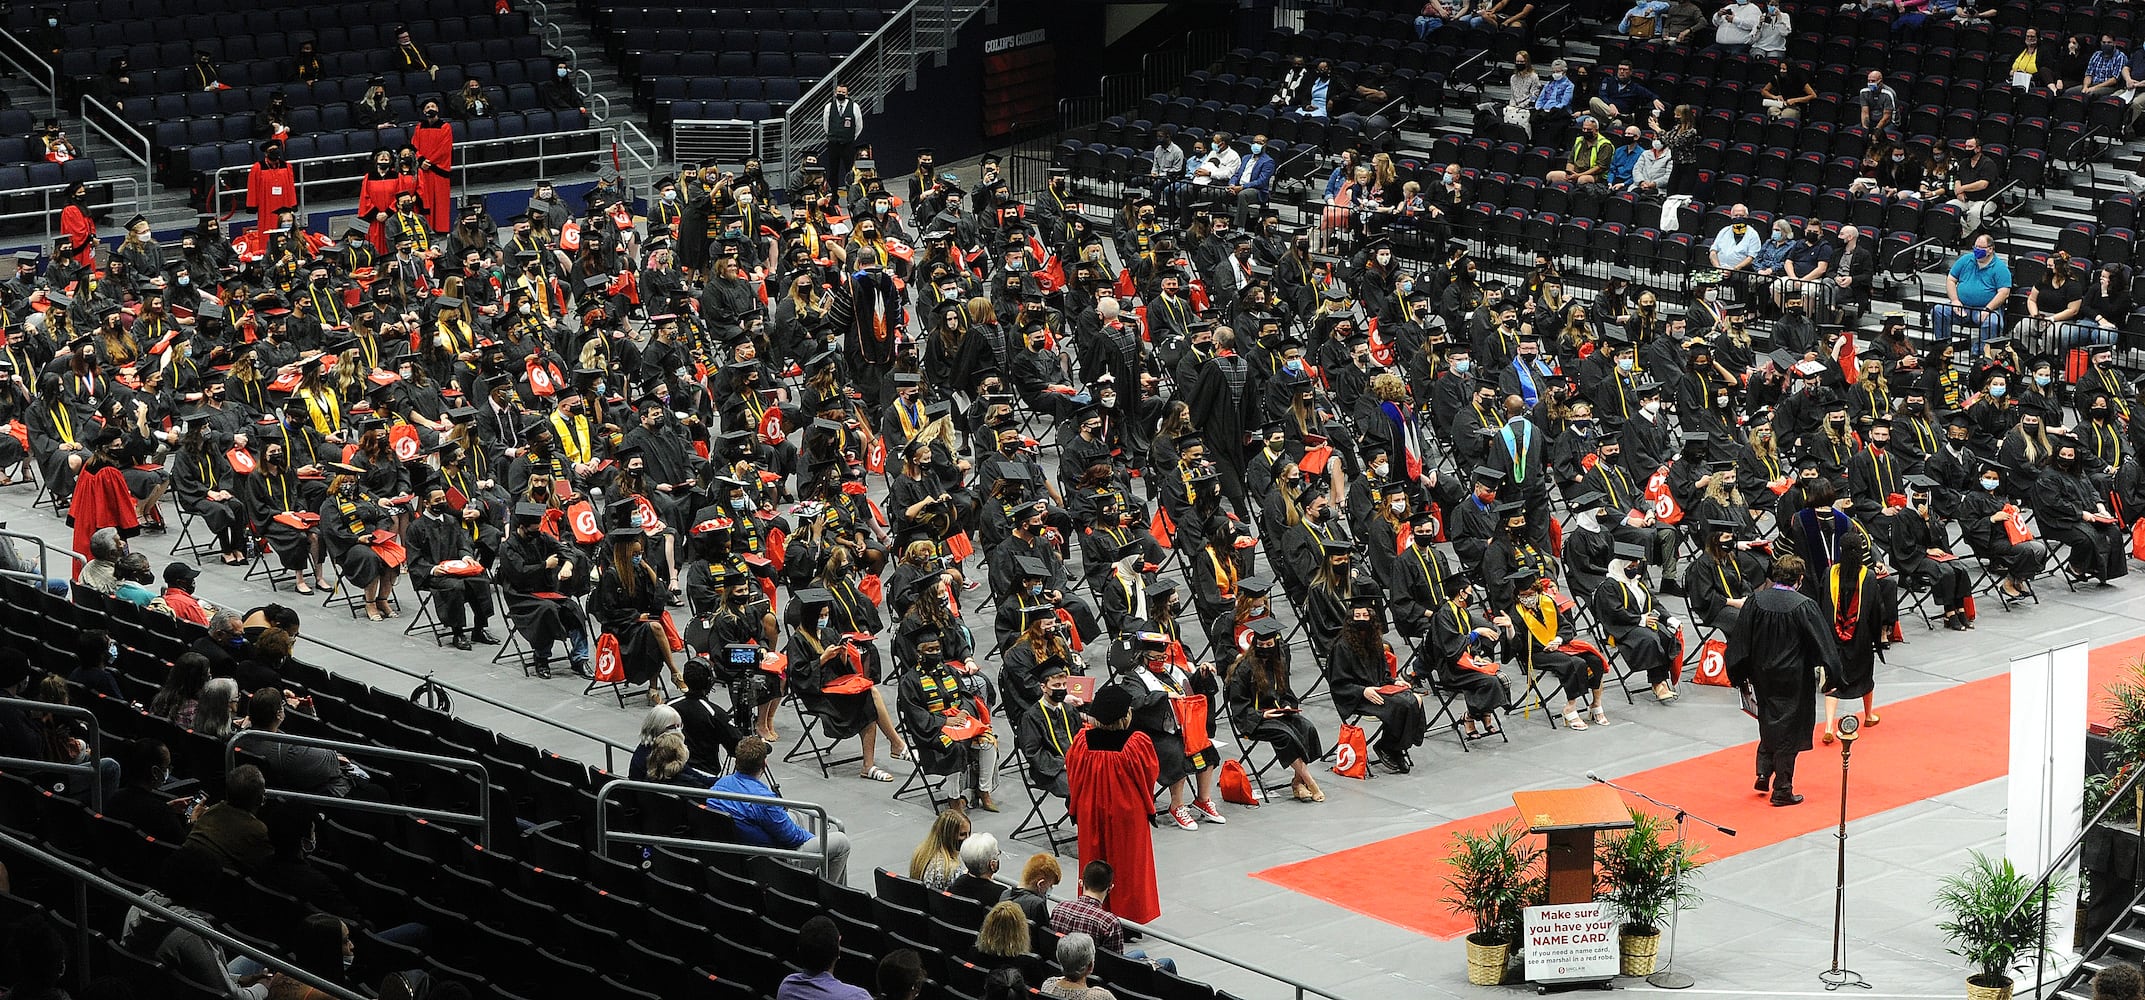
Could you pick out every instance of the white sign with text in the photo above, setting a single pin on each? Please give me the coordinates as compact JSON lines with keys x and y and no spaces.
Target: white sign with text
{"x":1571,"y":941}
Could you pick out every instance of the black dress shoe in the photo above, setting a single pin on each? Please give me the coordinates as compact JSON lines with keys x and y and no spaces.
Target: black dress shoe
{"x":483,"y":638}
{"x":1392,"y":762}
{"x":461,"y":642}
{"x":1789,"y":799}
{"x":1764,"y":785}
{"x":543,"y":671}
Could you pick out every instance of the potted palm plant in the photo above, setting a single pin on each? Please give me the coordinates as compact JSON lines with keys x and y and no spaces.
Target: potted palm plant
{"x":1495,"y":877}
{"x":1646,"y":875}
{"x":1993,"y":920}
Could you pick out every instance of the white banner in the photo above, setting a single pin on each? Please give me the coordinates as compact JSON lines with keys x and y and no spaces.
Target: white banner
{"x":2046,"y":787}
{"x":1570,"y":942}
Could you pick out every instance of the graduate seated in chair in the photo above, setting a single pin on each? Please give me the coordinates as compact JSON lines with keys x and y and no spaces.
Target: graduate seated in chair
{"x":1631,"y":613}
{"x":1047,"y":728}
{"x":1264,"y":708}
{"x":1365,"y":682}
{"x":1728,"y":570}
{"x":1462,"y":646}
{"x":1173,"y":703}
{"x":1577,"y":665}
{"x":948,"y":726}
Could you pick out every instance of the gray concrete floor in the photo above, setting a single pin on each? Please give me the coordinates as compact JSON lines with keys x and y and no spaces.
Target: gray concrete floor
{"x":1763,"y":930}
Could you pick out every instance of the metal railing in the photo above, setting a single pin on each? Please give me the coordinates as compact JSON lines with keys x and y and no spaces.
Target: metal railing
{"x":482,"y":817}
{"x":609,"y":747}
{"x":347,"y":169}
{"x":1301,"y":988}
{"x":816,"y":816}
{"x":2061,"y":864}
{"x":52,"y":196}
{"x":599,"y":105}
{"x":885,"y":58}
{"x":95,"y":744}
{"x":85,"y":880}
{"x":643,"y":159}
{"x":44,"y":557}
{"x":726,"y":141}
{"x":22,"y":59}
{"x":103,"y":121}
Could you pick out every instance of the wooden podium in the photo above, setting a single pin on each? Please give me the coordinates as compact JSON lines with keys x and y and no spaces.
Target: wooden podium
{"x":1569,"y":817}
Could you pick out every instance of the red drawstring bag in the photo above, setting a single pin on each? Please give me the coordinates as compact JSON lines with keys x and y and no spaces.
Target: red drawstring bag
{"x":1351,"y":753}
{"x":874,"y":588}
{"x":1713,"y":663}
{"x":610,"y":663}
{"x":1235,"y":784}
{"x":1191,"y":715}
{"x":671,"y":634}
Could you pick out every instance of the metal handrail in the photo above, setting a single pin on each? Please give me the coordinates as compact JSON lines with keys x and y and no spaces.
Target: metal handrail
{"x":640,"y":165}
{"x":96,"y":746}
{"x":23,"y":58}
{"x":896,"y":45}
{"x":1302,"y":988}
{"x":130,"y":141}
{"x":85,"y":879}
{"x":49,"y":213}
{"x":820,"y":823}
{"x":44,"y":557}
{"x":482,"y":817}
{"x":461,"y":169}
{"x":609,"y":761}
{"x":2064,"y":857}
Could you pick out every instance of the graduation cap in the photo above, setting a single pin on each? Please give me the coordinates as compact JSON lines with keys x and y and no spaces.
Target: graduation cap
{"x":1509,"y":508}
{"x":814,"y":597}
{"x":1523,"y":573}
{"x":1723,"y":465}
{"x":1629,"y":551}
{"x":1647,"y":387}
{"x":1269,"y":628}
{"x":1488,"y":476}
{"x":209,"y":310}
{"x":343,"y":469}
{"x":1920,"y":483}
{"x":1589,"y":500}
{"x":1336,"y":547}
{"x":1053,"y":665}
{"x":60,"y":300}
{"x":1163,"y":589}
{"x":908,"y":378}
{"x":1029,"y":566}
{"x":29,"y":257}
{"x":1256,"y":586}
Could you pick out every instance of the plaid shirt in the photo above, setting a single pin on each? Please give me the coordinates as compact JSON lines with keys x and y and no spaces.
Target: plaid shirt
{"x":1085,"y":915}
{"x":2105,"y":66}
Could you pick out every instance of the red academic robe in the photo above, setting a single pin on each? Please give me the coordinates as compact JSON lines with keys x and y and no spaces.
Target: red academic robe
{"x":270,"y":190}
{"x":378,"y":195}
{"x":81,"y":233}
{"x":1112,"y":802}
{"x":435,"y":143}
{"x":101,"y":500}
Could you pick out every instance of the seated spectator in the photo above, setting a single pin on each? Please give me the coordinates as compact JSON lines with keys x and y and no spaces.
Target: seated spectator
{"x":1040,"y":875}
{"x":217,"y":713}
{"x":265,"y":661}
{"x":1802,"y":274}
{"x":1785,"y":94}
{"x":1167,"y":159}
{"x":1621,"y":98}
{"x":179,"y":697}
{"x":1771,"y":259}
{"x":2104,"y":70}
{"x":1430,"y":20}
{"x":1625,"y":160}
{"x":560,"y":93}
{"x":819,"y":947}
{"x":1977,"y":287}
{"x":307,"y":769}
{"x":188,"y":885}
{"x":96,"y":663}
{"x":936,"y":862}
{"x":134,"y":579}
{"x":771,"y":826}
{"x":223,"y":645}
{"x":146,"y":767}
{"x":1552,"y":106}
{"x":1253,"y":179}
{"x":1774,"y":28}
{"x":979,"y":866}
{"x":1002,"y":942}
{"x":101,"y":572}
{"x":1588,"y":161}
{"x":231,"y":831}
{"x":1089,"y":913}
{"x":1879,"y":104}
{"x":900,"y":975}
{"x":2108,"y":303}
{"x":1653,"y":169}
{"x":1684,"y":23}
{"x":1975,"y":176}
{"x":2052,"y":308}
{"x":1736,"y":246}
{"x":291,"y":835}
{"x":180,"y":579}
{"x":470,"y":103}
{"x":1076,"y":962}
{"x":1643,"y":16}
{"x":1735,"y":27}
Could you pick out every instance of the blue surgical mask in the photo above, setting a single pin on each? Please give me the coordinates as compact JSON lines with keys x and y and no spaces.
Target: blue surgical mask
{"x":185,"y":280}
{"x":824,"y":619}
{"x":1461,"y":366}
{"x":1989,"y":484}
{"x":111,"y":651}
{"x":1981,"y":253}
{"x":1997,"y":390}
{"x":2041,"y":380}
{"x":1294,"y":366}
{"x":1625,"y":364}
{"x":1035,"y":589}
{"x":563,"y":71}
{"x":737,"y":503}
{"x":1257,"y":147}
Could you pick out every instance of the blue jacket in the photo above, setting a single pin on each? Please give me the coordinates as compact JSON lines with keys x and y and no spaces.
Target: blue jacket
{"x":1255,"y":172}
{"x":764,"y":825}
{"x":1627,"y":155}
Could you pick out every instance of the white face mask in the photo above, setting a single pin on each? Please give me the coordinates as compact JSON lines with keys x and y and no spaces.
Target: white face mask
{"x":1652,"y":407}
{"x":1379,"y":470}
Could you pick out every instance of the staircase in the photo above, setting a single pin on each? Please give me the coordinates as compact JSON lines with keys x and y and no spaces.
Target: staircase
{"x":925,"y":29}
{"x":566,"y":30}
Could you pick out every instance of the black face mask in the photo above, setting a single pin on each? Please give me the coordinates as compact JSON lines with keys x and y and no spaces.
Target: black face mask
{"x":1056,"y":694}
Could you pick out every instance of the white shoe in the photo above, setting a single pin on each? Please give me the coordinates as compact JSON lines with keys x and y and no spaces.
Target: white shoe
{"x":1182,"y":815}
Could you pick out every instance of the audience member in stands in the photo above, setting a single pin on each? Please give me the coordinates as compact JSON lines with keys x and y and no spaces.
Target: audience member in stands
{"x":937,"y":860}
{"x":101,"y":572}
{"x":18,"y":735}
{"x":188,"y":885}
{"x":900,"y":975}
{"x":1040,"y":875}
{"x":980,"y":858}
{"x":216,"y":711}
{"x":179,"y":697}
{"x":659,"y":720}
{"x":1076,"y":961}
{"x":1090,"y":913}
{"x":223,"y":644}
{"x":1002,"y":941}
{"x":231,"y":831}
{"x":288,"y":870}
{"x":134,"y":580}
{"x":771,"y":826}
{"x":1879,"y":103}
{"x":145,"y":765}
{"x":560,"y":93}
{"x":96,"y":663}
{"x":309,"y":769}
{"x":179,"y":581}
{"x":265,"y":661}
{"x":1977,"y":287}
{"x":2104,"y":70}
{"x":1553,"y":106}
{"x":819,"y":947}
{"x":2108,"y":302}
{"x":37,"y":958}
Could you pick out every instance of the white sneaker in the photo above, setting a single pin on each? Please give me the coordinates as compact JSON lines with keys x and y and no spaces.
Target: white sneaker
{"x":1208,"y":811}
{"x":1183,"y":817}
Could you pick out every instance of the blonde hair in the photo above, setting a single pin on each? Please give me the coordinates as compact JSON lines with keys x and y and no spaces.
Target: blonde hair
{"x":667,"y":757}
{"x":942,"y":843}
{"x":1005,"y":931}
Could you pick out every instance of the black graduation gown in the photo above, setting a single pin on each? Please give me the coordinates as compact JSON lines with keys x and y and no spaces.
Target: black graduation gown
{"x":1910,"y":538}
{"x":343,"y":519}
{"x":1619,"y":606}
{"x":1451,"y":634}
{"x":640,"y":649}
{"x":1710,"y":583}
{"x":1778,"y":643}
{"x":540,"y":620}
{"x":269,"y":494}
{"x":2061,"y":501}
{"x":1353,"y":673}
{"x":1876,"y":608}
{"x":840,"y":715}
{"x":1291,"y":734}
{"x":193,"y":477}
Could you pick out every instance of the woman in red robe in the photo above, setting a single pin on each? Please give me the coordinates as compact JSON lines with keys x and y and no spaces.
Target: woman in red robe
{"x":1110,"y":771}
{"x":101,"y":497}
{"x":79,"y":229}
{"x":271,"y":186}
{"x":434,"y":141}
{"x":376,"y":196}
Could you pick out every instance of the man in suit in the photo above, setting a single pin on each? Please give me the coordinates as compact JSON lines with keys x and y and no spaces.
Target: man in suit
{"x":1252,"y":181}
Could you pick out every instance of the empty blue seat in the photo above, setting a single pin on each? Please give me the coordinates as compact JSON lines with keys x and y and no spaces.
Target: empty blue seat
{"x":330,"y":144}
{"x":42,"y":174}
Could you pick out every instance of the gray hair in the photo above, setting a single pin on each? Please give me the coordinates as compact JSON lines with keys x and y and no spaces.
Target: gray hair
{"x":978,"y":853}
{"x":225,"y":623}
{"x":1076,"y":955}
{"x":1558,"y":66}
{"x":104,"y":543}
{"x":212,"y":709}
{"x":659,"y":720}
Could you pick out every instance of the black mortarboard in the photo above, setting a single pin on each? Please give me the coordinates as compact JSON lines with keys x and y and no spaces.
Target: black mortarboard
{"x":1589,"y":500}
{"x":1629,"y":550}
{"x":1256,"y":586}
{"x":1268,"y":628}
{"x":1031,"y":566}
{"x":1488,"y":476}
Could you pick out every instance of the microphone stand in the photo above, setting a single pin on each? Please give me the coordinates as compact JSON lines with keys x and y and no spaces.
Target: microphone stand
{"x":1668,"y":977}
{"x":1836,"y":977}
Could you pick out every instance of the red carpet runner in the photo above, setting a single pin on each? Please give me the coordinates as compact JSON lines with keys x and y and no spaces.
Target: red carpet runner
{"x":1925,"y":746}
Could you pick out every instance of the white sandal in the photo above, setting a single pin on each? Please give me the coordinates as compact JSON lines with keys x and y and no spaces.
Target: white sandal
{"x":876,"y":774}
{"x":1601,"y":718}
{"x":1574,"y":722}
